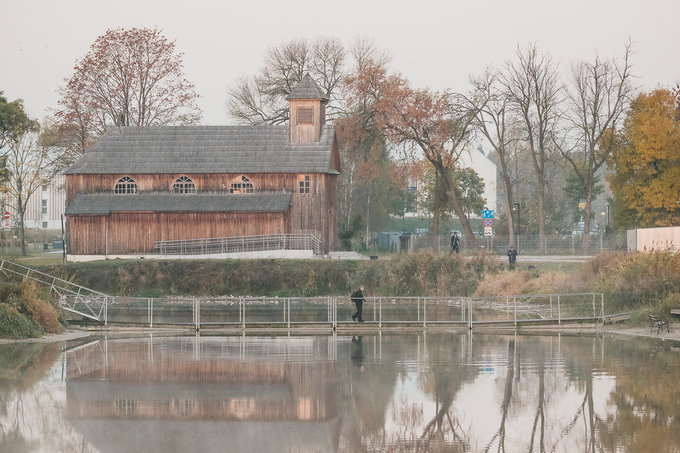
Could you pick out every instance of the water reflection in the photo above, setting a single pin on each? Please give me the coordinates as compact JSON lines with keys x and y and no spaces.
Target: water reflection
{"x":434,"y":392}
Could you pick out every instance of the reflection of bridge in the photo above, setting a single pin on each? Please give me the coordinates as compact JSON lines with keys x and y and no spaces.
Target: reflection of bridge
{"x":322,"y":313}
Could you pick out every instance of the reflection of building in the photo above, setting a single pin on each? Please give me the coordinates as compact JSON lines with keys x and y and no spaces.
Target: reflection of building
{"x":202,"y":394}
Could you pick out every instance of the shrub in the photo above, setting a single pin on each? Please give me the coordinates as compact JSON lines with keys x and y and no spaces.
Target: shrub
{"x":16,"y":325}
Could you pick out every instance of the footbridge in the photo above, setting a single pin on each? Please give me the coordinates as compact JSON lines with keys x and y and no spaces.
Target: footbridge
{"x":329,"y":313}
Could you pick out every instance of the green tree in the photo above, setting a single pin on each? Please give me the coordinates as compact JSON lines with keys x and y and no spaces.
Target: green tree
{"x":576,"y":193}
{"x":14,"y":122}
{"x":646,"y":162}
{"x":467,"y":182}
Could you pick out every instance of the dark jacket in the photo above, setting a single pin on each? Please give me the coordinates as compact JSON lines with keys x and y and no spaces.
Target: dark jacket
{"x":357,"y":296}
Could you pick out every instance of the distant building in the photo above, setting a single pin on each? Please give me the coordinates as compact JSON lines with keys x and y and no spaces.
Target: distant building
{"x":46,"y":206}
{"x":486,"y":170}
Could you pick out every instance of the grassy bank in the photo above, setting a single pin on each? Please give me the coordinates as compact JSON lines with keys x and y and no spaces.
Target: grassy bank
{"x":642,"y":283}
{"x":417,"y":274}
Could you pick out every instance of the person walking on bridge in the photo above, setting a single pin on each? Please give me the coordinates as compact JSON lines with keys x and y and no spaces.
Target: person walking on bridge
{"x":358,"y":298}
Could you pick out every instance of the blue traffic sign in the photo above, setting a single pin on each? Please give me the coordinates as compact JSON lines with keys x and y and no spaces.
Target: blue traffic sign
{"x":487,"y":214}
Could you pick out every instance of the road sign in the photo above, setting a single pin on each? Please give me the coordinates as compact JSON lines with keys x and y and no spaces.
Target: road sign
{"x":488,"y":231}
{"x":6,"y":217}
{"x":487,"y":214}
{"x":488,"y":222}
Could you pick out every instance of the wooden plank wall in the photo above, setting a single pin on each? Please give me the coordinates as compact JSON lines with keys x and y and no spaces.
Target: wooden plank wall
{"x":305,"y":132}
{"x":135,"y":232}
{"x":123,"y":233}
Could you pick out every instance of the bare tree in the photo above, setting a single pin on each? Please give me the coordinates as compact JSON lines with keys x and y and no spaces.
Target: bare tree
{"x":436,"y":125}
{"x":534,"y":91}
{"x":261,"y":99}
{"x":598,"y":95}
{"x":30,"y":163}
{"x":494,"y":120}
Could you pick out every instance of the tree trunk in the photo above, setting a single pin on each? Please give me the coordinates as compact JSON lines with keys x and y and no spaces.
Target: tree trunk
{"x":507,"y":188}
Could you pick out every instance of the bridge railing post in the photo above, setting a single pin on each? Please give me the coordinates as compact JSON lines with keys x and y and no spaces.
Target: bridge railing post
{"x":559,"y":311}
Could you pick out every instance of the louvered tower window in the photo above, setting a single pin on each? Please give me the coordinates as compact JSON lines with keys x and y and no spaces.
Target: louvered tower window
{"x":125,"y":185}
{"x":184,"y":185}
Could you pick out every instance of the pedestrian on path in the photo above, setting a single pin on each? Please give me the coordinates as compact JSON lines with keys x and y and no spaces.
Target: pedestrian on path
{"x":512,"y":257}
{"x":455,"y":242}
{"x":358,"y":298}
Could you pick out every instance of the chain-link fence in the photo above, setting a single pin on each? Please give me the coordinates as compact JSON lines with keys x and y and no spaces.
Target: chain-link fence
{"x":525,"y":244}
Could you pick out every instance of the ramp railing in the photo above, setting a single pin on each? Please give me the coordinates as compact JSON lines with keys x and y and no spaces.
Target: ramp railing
{"x":239,"y":244}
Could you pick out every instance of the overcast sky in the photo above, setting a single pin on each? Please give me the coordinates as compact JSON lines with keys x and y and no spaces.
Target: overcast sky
{"x":435,"y":44}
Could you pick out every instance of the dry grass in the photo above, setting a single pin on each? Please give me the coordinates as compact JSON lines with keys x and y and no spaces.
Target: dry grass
{"x":40,"y":310}
{"x":504,"y":283}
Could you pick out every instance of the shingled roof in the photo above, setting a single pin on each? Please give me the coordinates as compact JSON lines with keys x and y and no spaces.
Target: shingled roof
{"x":307,"y":89}
{"x":106,"y":203}
{"x":206,"y":149}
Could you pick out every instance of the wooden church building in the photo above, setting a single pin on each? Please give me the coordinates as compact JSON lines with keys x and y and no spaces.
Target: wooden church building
{"x":140,"y":185}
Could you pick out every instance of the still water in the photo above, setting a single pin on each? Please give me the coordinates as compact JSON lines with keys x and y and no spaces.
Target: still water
{"x":457,"y":392}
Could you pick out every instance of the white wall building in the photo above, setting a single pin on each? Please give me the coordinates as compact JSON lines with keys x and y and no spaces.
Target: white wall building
{"x":46,"y":206}
{"x":486,"y":170}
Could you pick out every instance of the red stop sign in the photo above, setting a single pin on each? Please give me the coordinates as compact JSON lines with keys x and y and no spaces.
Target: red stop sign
{"x":6,"y":215}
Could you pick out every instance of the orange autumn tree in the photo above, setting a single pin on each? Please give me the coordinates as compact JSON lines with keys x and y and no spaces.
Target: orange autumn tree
{"x":374,"y":184}
{"x":646,"y":182}
{"x":129,"y":77}
{"x":436,"y":126}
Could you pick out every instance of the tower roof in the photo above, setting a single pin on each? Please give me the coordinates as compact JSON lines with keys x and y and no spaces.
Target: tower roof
{"x":307,"y":89}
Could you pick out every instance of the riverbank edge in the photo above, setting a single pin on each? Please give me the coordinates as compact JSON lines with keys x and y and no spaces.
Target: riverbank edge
{"x":74,"y":334}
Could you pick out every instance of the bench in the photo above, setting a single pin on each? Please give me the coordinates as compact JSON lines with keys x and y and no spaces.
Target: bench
{"x":658,"y":323}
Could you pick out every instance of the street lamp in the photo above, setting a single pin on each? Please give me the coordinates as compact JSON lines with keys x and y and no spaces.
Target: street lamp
{"x":518,"y":224}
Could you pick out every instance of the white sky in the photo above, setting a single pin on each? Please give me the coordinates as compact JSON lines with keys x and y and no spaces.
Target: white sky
{"x":435,"y":44}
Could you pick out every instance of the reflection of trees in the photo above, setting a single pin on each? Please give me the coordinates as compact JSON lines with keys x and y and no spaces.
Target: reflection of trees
{"x":22,"y":366}
{"x":444,"y":432}
{"x":646,"y":397}
{"x":539,"y":419}
{"x":507,"y":397}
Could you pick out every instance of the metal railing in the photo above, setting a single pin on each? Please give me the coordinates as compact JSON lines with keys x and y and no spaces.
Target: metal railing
{"x":72,"y":297}
{"x":239,"y":244}
{"x":335,"y":312}
{"x":528,"y":244}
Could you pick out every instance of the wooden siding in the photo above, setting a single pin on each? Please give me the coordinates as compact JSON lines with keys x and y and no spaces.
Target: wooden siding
{"x":311,"y":213}
{"x":304,"y":131}
{"x":124,"y":233}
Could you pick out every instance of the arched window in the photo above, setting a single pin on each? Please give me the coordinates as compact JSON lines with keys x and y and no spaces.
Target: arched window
{"x":241,"y":185}
{"x":125,"y":185}
{"x":184,"y":185}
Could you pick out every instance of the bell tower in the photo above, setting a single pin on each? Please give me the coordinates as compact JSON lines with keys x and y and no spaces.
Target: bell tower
{"x":306,"y":111}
